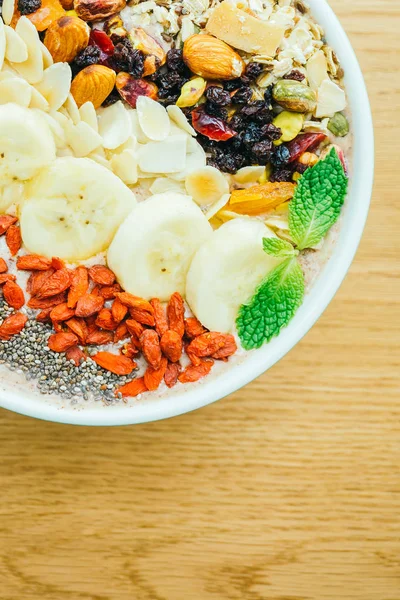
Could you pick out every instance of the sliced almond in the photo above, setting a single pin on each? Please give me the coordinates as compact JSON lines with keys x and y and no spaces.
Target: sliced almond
{"x":66,"y":37}
{"x":317,"y":69}
{"x":72,"y":110}
{"x":195,"y":159}
{"x":7,"y":11}
{"x":38,"y":101}
{"x":82,"y":139}
{"x":15,"y":90}
{"x":153,"y":118}
{"x":168,"y":156}
{"x":32,"y":68}
{"x":165,"y":184}
{"x":217,"y":206}
{"x":115,"y":125}
{"x":136,"y":129}
{"x":57,"y":130}
{"x":16,"y":50}
{"x":249,"y":174}
{"x":56,"y":84}
{"x":331,"y":99}
{"x":88,"y":114}
{"x":125,"y":165}
{"x":177,"y":116}
{"x":94,"y":84}
{"x":47,"y":57}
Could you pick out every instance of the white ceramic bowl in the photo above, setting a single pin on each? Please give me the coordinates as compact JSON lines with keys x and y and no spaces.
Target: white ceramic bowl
{"x":316,"y":301}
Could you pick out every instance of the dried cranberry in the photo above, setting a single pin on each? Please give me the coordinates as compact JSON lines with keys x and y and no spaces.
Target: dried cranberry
{"x":303,"y":143}
{"x":216,"y":111}
{"x":294,"y":75}
{"x":243,"y":95}
{"x":281,"y":156}
{"x":26,"y":7}
{"x":218,"y":95}
{"x":127,"y":58}
{"x":101,"y":39}
{"x":89,"y":56}
{"x":271,"y":132}
{"x":253,"y":70}
{"x":212,"y":127}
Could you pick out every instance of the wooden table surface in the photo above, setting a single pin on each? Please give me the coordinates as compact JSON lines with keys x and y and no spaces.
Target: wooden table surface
{"x":287,"y":490}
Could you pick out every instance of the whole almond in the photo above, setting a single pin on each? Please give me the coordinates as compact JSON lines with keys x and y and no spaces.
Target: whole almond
{"x":66,"y":37}
{"x":94,"y":84}
{"x":97,"y":10}
{"x":211,"y":58}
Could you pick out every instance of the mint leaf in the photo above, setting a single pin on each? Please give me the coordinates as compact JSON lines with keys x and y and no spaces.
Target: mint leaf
{"x":272,"y":306}
{"x":278,"y":247}
{"x":317,"y":201}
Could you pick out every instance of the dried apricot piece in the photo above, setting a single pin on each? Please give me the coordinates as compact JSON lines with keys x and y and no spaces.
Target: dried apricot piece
{"x":13,"y":239}
{"x":78,"y":327}
{"x":105,"y":320}
{"x":99,"y":337}
{"x":171,"y":345}
{"x":79,"y":285}
{"x":36,"y":280}
{"x":49,"y":11}
{"x":61,"y":312}
{"x":120,"y":365}
{"x":150,"y":343}
{"x":101,"y":275}
{"x":142,"y":316}
{"x":76,"y":354}
{"x":13,"y":295}
{"x":193,"y":327}
{"x":195,"y":372}
{"x":118,"y":310}
{"x":3,"y":266}
{"x":171,"y":374}
{"x":176,"y":313}
{"x":12,"y":325}
{"x":208,"y":344}
{"x":160,"y":317}
{"x":89,"y":305}
{"x":60,"y":342}
{"x":261,"y":198}
{"x":33,"y":262}
{"x":133,"y":388}
{"x":132,"y":301}
{"x":4,"y":277}
{"x":55,"y":284}
{"x":5,"y":222}
{"x":40,"y":303}
{"x":153,"y":377}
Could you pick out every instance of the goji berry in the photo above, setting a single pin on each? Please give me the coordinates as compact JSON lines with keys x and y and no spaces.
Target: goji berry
{"x":207,"y":344}
{"x":118,"y":310}
{"x":175,"y":313}
{"x":133,"y":388}
{"x":99,"y":337}
{"x":3,"y":266}
{"x":129,"y":350}
{"x":13,"y":295}
{"x":101,"y":275}
{"x":227,"y":349}
{"x":57,"y":283}
{"x":44,"y":316}
{"x":120,"y":365}
{"x":121,"y":332}
{"x":171,"y":345}
{"x":108,"y":291}
{"x":75,"y":353}
{"x":79,"y":285}
{"x":89,"y":305}
{"x":105,"y":320}
{"x":33,"y":262}
{"x":195,"y":372}
{"x":171,"y":374}
{"x":142,"y":316}
{"x":13,"y":239}
{"x":134,"y":327}
{"x":39,"y":303}
{"x":57,"y":263}
{"x":153,"y":377}
{"x":79,"y":328}
{"x":134,"y":302}
{"x":7,"y":277}
{"x":12,"y":325}
{"x":61,"y":312}
{"x":193,"y":327}
{"x":151,"y":347}
{"x":5,"y":222}
{"x":160,"y":317}
{"x":37,"y":279}
{"x":60,"y":342}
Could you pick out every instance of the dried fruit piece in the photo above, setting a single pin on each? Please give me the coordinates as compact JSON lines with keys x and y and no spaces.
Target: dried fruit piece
{"x":49,"y":11}
{"x":61,"y":312}
{"x":76,"y":354}
{"x":176,"y":314}
{"x":79,"y":328}
{"x":153,"y":377}
{"x":79,"y":285}
{"x":154,"y":53}
{"x":60,"y":342}
{"x":55,"y":284}
{"x":133,"y":388}
{"x":7,"y":277}
{"x":208,"y":343}
{"x":193,"y":327}
{"x":12,"y":325}
{"x":101,"y":275}
{"x":3,"y":266}
{"x":118,"y":310}
{"x":195,"y":372}
{"x":130,"y":88}
{"x":97,"y":10}
{"x":150,"y":343}
{"x":142,"y":316}
{"x":160,"y":318}
{"x":40,"y":303}
{"x":212,"y":127}
{"x":37,"y":279}
{"x":99,"y":338}
{"x":121,"y":332}
{"x":105,"y":320}
{"x":227,"y":349}
{"x":120,"y":365}
{"x":171,"y":374}
{"x":211,"y":58}
{"x":44,"y":316}
{"x":134,"y":328}
{"x":33,"y":262}
{"x":13,"y":295}
{"x":129,"y":350}
{"x":134,"y":302}
{"x":171,"y":345}
{"x":57,"y":263}
{"x":5,"y":222}
{"x":108,"y":291}
{"x":66,"y":37}
{"x":88,"y":305}
{"x":93,"y":84}
{"x":303,"y":142}
{"x":13,"y":239}
{"x":261,"y":198}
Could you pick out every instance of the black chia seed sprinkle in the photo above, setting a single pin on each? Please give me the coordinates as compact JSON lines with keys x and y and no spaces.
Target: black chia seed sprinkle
{"x":28,"y":353}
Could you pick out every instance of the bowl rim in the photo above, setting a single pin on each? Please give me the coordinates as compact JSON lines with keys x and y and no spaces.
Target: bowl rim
{"x":316,"y":301}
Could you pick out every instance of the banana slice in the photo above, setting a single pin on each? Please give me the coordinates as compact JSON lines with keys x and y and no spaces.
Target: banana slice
{"x":206,"y":185}
{"x":26,"y":145}
{"x":226,"y":270}
{"x":73,"y":209}
{"x":152,"y":249}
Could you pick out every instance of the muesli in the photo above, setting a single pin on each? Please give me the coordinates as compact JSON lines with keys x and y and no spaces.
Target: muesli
{"x":167,"y":169}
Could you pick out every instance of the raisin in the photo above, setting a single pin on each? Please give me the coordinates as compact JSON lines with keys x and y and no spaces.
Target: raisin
{"x":26,"y":7}
{"x":112,"y":98}
{"x":229,"y":162}
{"x":175,"y":61}
{"x":295,"y":75}
{"x":252,"y":108}
{"x":271,"y":132}
{"x":300,"y":168}
{"x":89,"y":56}
{"x":279,"y":175}
{"x":243,"y":95}
{"x":127,"y":58}
{"x":237,"y":123}
{"x":168,"y":81}
{"x":233,"y":84}
{"x":263,"y":151}
{"x":253,"y":70}
{"x":216,"y":111}
{"x":268,"y":95}
{"x":252,"y":134}
{"x":217,"y":95}
{"x":281,"y":156}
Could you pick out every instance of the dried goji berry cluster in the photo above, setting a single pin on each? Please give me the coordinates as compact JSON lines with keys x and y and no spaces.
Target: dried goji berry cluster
{"x":86,"y":306}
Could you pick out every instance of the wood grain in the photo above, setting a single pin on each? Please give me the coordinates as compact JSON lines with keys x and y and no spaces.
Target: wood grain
{"x":287,"y":490}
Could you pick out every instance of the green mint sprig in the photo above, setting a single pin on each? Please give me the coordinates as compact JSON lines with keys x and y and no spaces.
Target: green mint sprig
{"x":315,"y":207}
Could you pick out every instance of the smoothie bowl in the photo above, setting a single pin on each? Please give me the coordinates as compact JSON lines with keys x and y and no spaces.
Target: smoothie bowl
{"x":183,"y":188}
